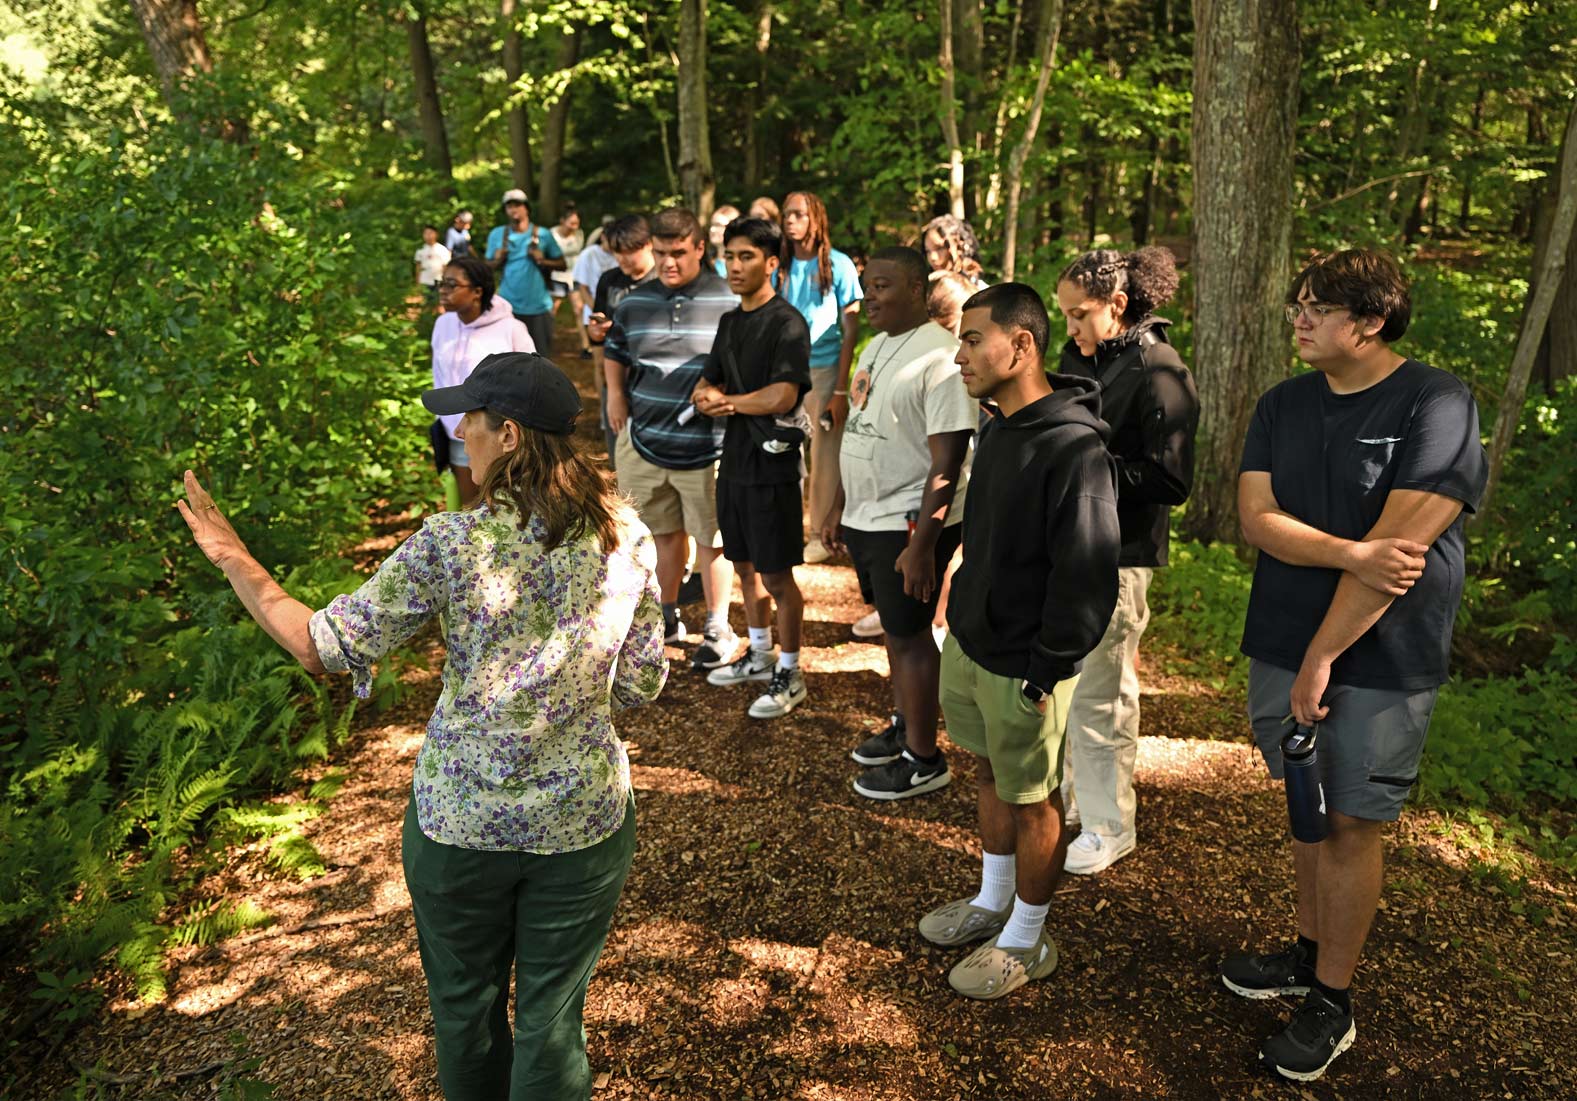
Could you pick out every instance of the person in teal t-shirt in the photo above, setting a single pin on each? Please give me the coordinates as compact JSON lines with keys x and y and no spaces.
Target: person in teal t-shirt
{"x":823,"y":285}
{"x":524,"y":254}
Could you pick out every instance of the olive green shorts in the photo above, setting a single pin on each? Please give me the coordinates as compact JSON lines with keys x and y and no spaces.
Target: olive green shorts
{"x":988,"y":715}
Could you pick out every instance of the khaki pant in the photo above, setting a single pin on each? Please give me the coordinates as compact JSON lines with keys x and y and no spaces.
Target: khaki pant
{"x":822,"y":448}
{"x":1103,"y":719}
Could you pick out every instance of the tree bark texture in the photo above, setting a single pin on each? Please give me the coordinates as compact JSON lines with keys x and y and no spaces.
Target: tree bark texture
{"x":969,"y":30}
{"x":753,"y":100}
{"x":551,"y":168}
{"x":435,"y":140}
{"x":1547,"y":284}
{"x":174,"y":33}
{"x":695,"y":143}
{"x":519,"y":121}
{"x":955,"y":150}
{"x":1246,"y":55}
{"x":1050,"y":32}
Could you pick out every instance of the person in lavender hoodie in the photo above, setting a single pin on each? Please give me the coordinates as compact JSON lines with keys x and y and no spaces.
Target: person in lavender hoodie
{"x":521,"y":823}
{"x":475,"y":323}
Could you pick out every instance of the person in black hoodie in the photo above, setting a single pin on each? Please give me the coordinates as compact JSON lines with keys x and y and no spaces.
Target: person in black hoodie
{"x":1109,"y":300}
{"x":1032,"y":598}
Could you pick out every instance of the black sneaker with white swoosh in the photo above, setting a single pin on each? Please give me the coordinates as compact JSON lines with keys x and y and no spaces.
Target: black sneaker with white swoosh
{"x":905,"y":777}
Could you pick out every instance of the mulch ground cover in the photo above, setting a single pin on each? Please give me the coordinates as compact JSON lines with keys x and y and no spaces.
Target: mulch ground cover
{"x":766,"y":948}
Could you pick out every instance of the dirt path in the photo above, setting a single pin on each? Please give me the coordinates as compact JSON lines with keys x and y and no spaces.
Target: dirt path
{"x":765,"y":946}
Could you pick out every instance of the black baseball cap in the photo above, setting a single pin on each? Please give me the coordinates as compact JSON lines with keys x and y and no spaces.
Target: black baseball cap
{"x":522,"y":386}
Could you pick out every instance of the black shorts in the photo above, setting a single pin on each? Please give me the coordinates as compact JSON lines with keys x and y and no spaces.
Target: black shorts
{"x":761,"y":525}
{"x":875,"y":553}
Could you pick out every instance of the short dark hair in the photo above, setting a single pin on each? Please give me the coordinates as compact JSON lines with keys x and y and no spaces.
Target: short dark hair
{"x":909,"y":260}
{"x":1366,"y":282}
{"x":765,"y":235}
{"x":627,"y":233}
{"x":1014,"y":306}
{"x":479,"y":273}
{"x":676,"y":222}
{"x":428,"y":226}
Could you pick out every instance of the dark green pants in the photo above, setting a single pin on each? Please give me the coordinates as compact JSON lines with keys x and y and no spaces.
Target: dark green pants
{"x":477,"y":913}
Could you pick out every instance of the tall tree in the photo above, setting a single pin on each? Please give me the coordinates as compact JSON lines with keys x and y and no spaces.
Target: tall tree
{"x":753,"y":97}
{"x":1050,"y":32}
{"x":435,"y":140}
{"x":955,"y":149}
{"x":1547,"y":284}
{"x":174,"y":33}
{"x":1246,"y":55}
{"x":515,"y":112}
{"x":695,"y":143}
{"x":554,"y":125}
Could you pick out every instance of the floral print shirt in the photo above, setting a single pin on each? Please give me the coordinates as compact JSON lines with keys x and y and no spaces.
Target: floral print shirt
{"x":520,"y":754}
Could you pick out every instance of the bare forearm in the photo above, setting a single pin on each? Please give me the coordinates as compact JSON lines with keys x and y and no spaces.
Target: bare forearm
{"x":284,"y":617}
{"x":1285,"y":537}
{"x":941,"y":486}
{"x":851,"y":337}
{"x":1354,"y":609}
{"x":613,"y":374}
{"x":769,"y":401}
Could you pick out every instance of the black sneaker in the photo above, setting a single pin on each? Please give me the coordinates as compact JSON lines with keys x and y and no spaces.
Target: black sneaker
{"x":883,"y":746}
{"x":906,"y":777}
{"x":1319,"y":1031}
{"x":1286,"y":972}
{"x":718,"y":647}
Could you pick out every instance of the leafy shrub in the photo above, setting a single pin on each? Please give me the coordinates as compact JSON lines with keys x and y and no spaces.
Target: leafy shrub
{"x":1197,"y":606}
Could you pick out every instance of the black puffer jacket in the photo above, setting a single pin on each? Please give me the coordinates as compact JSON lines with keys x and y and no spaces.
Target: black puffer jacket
{"x":1148,"y":398}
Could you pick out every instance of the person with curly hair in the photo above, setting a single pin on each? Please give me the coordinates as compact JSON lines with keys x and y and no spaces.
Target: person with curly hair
{"x":1109,"y":300}
{"x":950,"y":244}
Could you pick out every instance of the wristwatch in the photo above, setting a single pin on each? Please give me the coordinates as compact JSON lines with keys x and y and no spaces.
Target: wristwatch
{"x":1031,"y":693}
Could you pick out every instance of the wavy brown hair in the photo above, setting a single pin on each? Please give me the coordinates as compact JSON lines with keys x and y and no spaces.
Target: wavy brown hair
{"x":818,"y":239}
{"x":547,"y":476}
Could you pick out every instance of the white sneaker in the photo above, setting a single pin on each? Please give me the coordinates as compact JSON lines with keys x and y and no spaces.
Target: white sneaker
{"x":1094,"y":852}
{"x":868,"y":626}
{"x":751,"y":665}
{"x":815,"y":552}
{"x":677,"y":635}
{"x":784,"y":693}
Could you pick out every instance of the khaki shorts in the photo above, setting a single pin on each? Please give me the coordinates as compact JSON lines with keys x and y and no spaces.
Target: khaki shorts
{"x":669,"y":500}
{"x":988,"y":715}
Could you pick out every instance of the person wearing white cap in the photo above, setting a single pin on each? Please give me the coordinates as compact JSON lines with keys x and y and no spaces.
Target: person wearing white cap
{"x":524,"y":254}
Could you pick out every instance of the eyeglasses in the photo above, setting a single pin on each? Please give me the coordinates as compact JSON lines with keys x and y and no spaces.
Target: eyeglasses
{"x":453,"y":284}
{"x":1314,"y":311}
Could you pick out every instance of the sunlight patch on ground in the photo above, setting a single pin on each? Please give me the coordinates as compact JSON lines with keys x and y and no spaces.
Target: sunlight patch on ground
{"x":680,"y":781}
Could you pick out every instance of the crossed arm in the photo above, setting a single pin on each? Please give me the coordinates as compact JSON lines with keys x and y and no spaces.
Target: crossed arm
{"x":771,"y":400}
{"x":1376,"y":569}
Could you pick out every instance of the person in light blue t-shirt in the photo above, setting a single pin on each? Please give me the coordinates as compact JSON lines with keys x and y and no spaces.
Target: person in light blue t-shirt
{"x":824,"y":286}
{"x":523,"y":264}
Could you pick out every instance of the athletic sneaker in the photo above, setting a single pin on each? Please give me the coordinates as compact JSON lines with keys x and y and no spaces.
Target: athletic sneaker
{"x":961,"y":921}
{"x":906,"y":777}
{"x":1269,"y":976}
{"x":678,"y":634}
{"x":718,"y":647}
{"x":868,"y":626}
{"x":785,"y":691}
{"x":990,"y":972}
{"x":1093,"y":852}
{"x":815,"y":552}
{"x":1320,"y":1031}
{"x":751,"y":665}
{"x":883,"y":746}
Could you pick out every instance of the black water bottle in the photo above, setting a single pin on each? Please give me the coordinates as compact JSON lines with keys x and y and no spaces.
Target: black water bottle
{"x":1305,"y":795}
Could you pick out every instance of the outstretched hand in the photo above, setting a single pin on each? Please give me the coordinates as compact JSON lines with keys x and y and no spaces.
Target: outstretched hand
{"x":212,"y":532}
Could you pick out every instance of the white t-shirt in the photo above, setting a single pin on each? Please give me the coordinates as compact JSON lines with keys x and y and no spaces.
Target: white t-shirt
{"x":430,"y":261}
{"x":905,"y":388}
{"x":570,"y":244}
{"x":589,"y":266}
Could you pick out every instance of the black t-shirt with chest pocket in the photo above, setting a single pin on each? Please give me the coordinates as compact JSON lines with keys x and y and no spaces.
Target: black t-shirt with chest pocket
{"x":1332,"y":460}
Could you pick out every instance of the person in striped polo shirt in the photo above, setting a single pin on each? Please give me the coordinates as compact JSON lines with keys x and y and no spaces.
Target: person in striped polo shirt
{"x":666,"y":454}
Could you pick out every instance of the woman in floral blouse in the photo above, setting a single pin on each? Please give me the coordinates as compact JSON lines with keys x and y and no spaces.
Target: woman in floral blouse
{"x":521,"y":824}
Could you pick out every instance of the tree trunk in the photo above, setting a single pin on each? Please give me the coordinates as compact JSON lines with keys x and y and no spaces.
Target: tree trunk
{"x":999,"y":130}
{"x":970,"y":45}
{"x":174,"y":33}
{"x":515,"y":112}
{"x":1547,"y":284}
{"x":1246,"y":59}
{"x":753,"y":100}
{"x":1050,"y":31}
{"x":695,"y":144}
{"x":551,"y":172}
{"x":955,"y":150}
{"x":434,"y":140}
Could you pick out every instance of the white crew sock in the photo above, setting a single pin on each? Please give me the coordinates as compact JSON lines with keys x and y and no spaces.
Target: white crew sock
{"x":997,"y":874}
{"x":788,"y":659}
{"x":761,"y":638}
{"x":717,"y":623}
{"x":1024,"y":925}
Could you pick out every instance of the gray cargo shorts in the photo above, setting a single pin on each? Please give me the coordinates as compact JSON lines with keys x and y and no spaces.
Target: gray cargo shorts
{"x":1369,"y":743}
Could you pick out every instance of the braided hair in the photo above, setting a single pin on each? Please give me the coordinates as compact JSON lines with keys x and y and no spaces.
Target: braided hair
{"x":1148,"y":276}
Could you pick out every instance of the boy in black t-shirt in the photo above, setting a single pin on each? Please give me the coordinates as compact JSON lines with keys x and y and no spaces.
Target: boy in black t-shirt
{"x":756,"y":376}
{"x":1354,"y":482}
